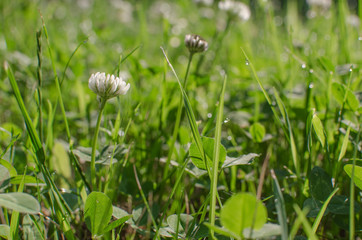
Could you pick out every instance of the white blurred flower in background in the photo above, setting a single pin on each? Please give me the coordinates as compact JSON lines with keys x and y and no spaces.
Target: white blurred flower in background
{"x":235,"y":9}
{"x":204,"y":2}
{"x":320,"y":3}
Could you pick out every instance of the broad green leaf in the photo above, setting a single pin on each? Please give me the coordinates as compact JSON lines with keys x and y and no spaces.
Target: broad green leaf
{"x":326,"y":63}
{"x":14,"y":223}
{"x":242,"y":160}
{"x":323,"y":211}
{"x":116,"y":223}
{"x":7,"y":129}
{"x":184,"y":135}
{"x":60,"y":159}
{"x":222,"y":231}
{"x":4,"y":231}
{"x":341,"y":205}
{"x":166,"y":232}
{"x":320,"y":184}
{"x":199,"y":232}
{"x":208,"y":145}
{"x":352,"y":102}
{"x":318,"y":128}
{"x":97,"y":212}
{"x":357,"y":174}
{"x":30,"y":229}
{"x":339,"y":92}
{"x":4,"y":173}
{"x":344,"y":144}
{"x":84,"y":154}
{"x":268,"y":230}
{"x":314,"y":206}
{"x":9,"y":167}
{"x":72,"y":199}
{"x":257,"y":132}
{"x":104,"y":157}
{"x":119,"y":212}
{"x":140,"y":216}
{"x":242,"y":211}
{"x":343,"y":222}
{"x":20,"y":202}
{"x":28,"y":180}
{"x":184,"y":224}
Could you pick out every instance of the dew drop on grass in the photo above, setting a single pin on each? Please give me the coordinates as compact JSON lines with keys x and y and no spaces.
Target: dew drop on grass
{"x":360,"y":38}
{"x":311,"y":85}
{"x":246,"y":62}
{"x":230,"y":137}
{"x":209,"y":115}
{"x":350,"y":69}
{"x":226,"y":120}
{"x":311,"y":71}
{"x":304,"y":66}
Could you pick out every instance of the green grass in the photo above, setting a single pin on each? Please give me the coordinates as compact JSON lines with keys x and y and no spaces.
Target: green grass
{"x":171,"y":152}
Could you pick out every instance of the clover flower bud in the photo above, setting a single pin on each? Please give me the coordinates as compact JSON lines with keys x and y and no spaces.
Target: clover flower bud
{"x":195,"y":43}
{"x":107,"y":86}
{"x":235,"y":9}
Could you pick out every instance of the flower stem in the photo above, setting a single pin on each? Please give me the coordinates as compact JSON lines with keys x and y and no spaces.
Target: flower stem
{"x":94,"y":144}
{"x":178,"y":120}
{"x":188,"y":69}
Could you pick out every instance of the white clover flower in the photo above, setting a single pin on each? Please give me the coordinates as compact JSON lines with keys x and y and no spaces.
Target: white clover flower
{"x":195,"y":43}
{"x":235,"y":9}
{"x":107,"y":86}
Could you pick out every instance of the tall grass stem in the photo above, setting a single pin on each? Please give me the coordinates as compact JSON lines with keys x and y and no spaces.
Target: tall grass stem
{"x":178,"y":120}
{"x":216,"y":158}
{"x":94,"y":144}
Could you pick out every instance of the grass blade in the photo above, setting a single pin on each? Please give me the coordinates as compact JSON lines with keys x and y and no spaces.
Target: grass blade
{"x":39,"y":151}
{"x":351,"y":195}
{"x":306,"y":226}
{"x":323,"y":209}
{"x":280,"y":206}
{"x":57,"y":84}
{"x":14,"y":224}
{"x":190,"y":116}
{"x":144,"y":199}
{"x":215,"y":162}
{"x":344,"y":144}
{"x":289,"y":134}
{"x":290,"y":131}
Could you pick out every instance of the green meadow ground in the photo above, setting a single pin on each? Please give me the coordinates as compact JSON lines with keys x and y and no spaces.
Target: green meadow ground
{"x":269,"y":135}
